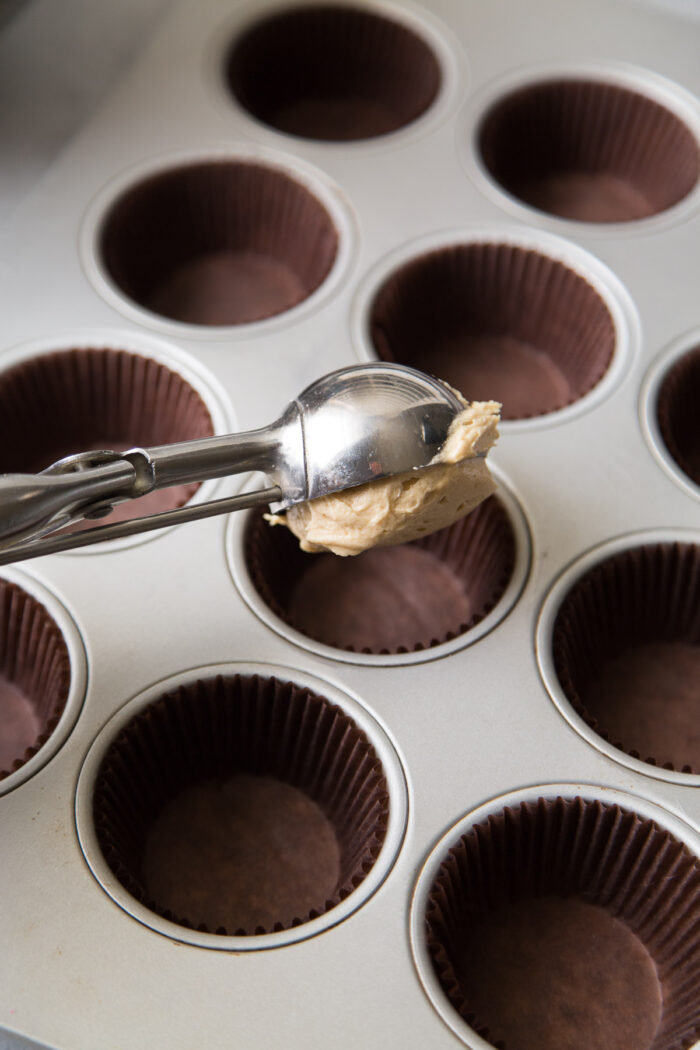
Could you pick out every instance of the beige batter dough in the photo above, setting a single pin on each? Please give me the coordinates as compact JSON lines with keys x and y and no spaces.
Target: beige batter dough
{"x":407,"y":506}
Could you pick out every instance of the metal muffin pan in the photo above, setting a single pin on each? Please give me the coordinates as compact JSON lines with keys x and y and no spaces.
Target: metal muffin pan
{"x":467,"y":722}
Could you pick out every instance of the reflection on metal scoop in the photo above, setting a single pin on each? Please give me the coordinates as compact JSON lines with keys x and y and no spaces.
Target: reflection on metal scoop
{"x":354,"y":425}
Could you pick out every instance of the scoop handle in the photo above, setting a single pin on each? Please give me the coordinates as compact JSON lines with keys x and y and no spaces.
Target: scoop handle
{"x":89,"y":484}
{"x":218,"y":456}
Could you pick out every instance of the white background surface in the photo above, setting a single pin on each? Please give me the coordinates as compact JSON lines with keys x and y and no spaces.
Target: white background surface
{"x":58,"y":59}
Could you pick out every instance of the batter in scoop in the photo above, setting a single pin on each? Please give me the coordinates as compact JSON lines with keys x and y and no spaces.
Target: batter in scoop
{"x":404,"y":507}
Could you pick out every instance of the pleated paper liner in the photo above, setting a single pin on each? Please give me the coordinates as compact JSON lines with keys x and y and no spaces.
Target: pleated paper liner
{"x":626,"y":648}
{"x":218,"y":243}
{"x":589,"y":150}
{"x":88,"y":398}
{"x":34,"y":676}
{"x":240,"y":805}
{"x":497,"y":322}
{"x":389,"y":599}
{"x":678,"y":413}
{"x":566,"y":924}
{"x":336,"y":73}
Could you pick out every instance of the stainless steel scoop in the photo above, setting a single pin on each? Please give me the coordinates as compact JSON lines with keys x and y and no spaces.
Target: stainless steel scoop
{"x":354,"y":425}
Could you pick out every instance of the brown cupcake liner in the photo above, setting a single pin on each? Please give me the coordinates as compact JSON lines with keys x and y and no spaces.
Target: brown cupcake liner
{"x":87,"y":398}
{"x":34,"y":676}
{"x":569,"y":924}
{"x":626,"y":648}
{"x":218,"y":243}
{"x":677,"y":413}
{"x":342,"y":73}
{"x":245,"y":798}
{"x":390,"y":599}
{"x":591,"y":151}
{"x":497,"y":322}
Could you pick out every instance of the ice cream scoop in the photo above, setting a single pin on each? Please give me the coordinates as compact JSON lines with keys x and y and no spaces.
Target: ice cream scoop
{"x":352,"y":426}
{"x":404,"y":507}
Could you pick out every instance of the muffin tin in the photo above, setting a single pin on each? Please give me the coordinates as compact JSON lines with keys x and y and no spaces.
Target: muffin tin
{"x":278,"y":797}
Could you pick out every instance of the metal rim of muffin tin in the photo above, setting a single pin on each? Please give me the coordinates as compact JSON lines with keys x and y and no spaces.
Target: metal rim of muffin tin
{"x":311,"y":178}
{"x":376,"y":732}
{"x":543,"y":643}
{"x":636,"y":803}
{"x":78,"y":675}
{"x":681,"y":103}
{"x":582,"y":263}
{"x":194,"y":373}
{"x":440,"y":39}
{"x":521,"y":571}
{"x":647,"y":410}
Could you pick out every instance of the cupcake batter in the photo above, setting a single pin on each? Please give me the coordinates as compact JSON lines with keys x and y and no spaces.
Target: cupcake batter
{"x":407,"y":506}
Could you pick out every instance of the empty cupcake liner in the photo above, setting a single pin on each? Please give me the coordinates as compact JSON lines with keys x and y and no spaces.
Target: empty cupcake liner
{"x":87,"y":398}
{"x":496,"y":321}
{"x":35,"y":676}
{"x":626,"y":650}
{"x":389,"y":599}
{"x":589,"y":150}
{"x":677,"y":413}
{"x":222,"y":242}
{"x":569,"y":923}
{"x":342,"y":73}
{"x":240,"y":805}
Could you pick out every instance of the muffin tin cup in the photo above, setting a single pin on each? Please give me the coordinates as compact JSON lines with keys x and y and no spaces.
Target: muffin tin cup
{"x":394,"y":599}
{"x":676,"y":411}
{"x":99,"y":362}
{"x":410,"y":19}
{"x":347,"y":72}
{"x":663,"y":613}
{"x":617,"y":85}
{"x":164,"y":743}
{"x":538,"y":265}
{"x":229,"y":196}
{"x":44,"y":670}
{"x":668,"y":411}
{"x":605,"y":154}
{"x":562,"y":842}
{"x":501,"y":570}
